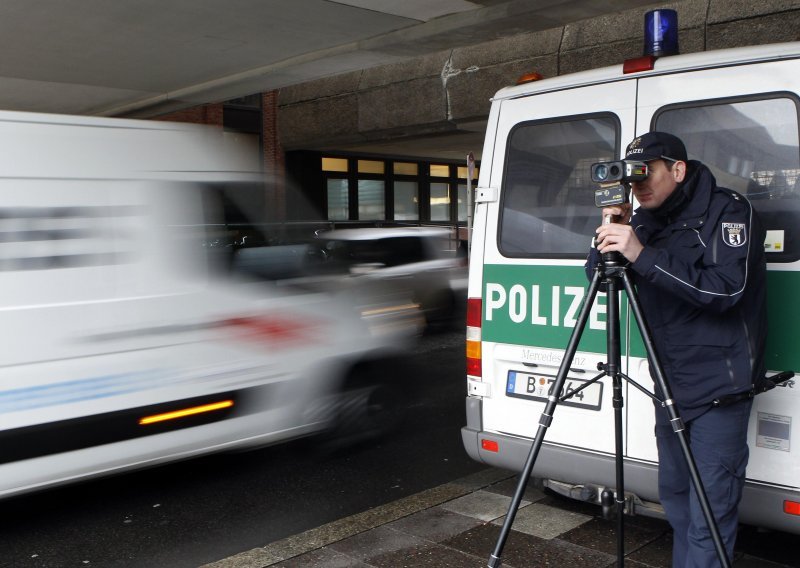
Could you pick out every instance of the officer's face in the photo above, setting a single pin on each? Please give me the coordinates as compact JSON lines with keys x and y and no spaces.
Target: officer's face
{"x":653,"y":191}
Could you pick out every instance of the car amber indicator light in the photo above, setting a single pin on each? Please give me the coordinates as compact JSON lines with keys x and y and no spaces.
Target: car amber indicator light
{"x":184,"y":412}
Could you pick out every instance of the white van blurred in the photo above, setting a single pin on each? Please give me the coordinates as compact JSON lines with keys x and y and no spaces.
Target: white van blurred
{"x":123,"y":343}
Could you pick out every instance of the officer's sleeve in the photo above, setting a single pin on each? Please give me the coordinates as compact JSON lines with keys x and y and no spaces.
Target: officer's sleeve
{"x":719,"y":276}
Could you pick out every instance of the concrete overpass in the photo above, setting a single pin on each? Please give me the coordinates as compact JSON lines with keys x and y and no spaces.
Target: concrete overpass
{"x":147,"y":57}
{"x":400,"y":79}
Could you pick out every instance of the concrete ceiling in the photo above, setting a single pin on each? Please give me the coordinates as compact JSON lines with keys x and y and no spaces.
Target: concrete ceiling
{"x":141,"y":58}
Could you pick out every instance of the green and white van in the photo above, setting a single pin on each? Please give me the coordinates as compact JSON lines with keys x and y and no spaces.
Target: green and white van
{"x":738,"y":111}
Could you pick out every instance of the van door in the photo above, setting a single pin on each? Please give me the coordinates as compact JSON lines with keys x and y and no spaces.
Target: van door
{"x":538,"y":234}
{"x":742,"y":122}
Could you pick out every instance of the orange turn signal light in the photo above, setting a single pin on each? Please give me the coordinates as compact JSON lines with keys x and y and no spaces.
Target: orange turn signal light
{"x":529,"y":78}
{"x":184,"y":412}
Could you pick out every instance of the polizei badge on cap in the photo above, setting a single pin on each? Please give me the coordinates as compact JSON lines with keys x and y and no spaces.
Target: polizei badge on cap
{"x":733,"y":234}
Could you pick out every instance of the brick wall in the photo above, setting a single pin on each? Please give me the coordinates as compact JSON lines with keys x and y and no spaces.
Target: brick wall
{"x":273,"y":159}
{"x":273,"y":156}
{"x":204,"y":114}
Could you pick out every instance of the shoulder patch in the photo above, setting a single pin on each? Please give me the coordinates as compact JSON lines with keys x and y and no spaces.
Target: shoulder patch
{"x":734,"y":234}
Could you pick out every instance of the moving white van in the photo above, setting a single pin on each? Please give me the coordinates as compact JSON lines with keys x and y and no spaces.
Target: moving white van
{"x":738,"y":111}
{"x":124,"y":342}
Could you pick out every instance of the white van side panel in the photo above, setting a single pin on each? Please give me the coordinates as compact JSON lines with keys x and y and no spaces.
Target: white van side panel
{"x":112,"y":313}
{"x":74,"y":147}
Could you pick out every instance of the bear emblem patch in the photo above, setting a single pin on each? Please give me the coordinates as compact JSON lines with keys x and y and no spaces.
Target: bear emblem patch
{"x":733,"y":234}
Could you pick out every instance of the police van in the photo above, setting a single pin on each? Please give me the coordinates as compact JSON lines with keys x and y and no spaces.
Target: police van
{"x":126,"y":340}
{"x":737,"y":111}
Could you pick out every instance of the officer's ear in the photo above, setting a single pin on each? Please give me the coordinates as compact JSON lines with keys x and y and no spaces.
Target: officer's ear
{"x":679,"y":171}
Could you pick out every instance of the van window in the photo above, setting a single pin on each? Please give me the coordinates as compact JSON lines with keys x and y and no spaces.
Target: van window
{"x":548,"y":197}
{"x":752,"y":147}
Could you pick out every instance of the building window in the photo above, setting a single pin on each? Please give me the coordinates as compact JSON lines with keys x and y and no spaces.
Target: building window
{"x":338,"y":199}
{"x":405,"y":169}
{"x":334,"y":165}
{"x":462,"y":203}
{"x":370,"y":167}
{"x":440,"y":202}
{"x":440,"y":170}
{"x":406,"y":200}
{"x":364,"y":189}
{"x":371,"y":200}
{"x":463,"y":171}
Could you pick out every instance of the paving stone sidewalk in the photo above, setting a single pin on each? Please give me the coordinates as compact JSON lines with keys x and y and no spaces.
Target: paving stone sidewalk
{"x":456,"y":525}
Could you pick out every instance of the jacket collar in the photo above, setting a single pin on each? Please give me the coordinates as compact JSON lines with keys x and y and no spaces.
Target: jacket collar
{"x":691,"y":213}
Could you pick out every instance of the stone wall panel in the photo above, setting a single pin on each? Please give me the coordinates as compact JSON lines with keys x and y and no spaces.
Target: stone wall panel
{"x":731,"y":10}
{"x":321,"y":88}
{"x":756,"y":31}
{"x":331,"y":118}
{"x":470,"y":93}
{"x":435,"y":92}
{"x":426,"y":66}
{"x":502,"y":51}
{"x":417,"y":101}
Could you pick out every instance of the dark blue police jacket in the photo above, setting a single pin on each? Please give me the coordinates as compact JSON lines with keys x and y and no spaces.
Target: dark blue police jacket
{"x":701,"y":282}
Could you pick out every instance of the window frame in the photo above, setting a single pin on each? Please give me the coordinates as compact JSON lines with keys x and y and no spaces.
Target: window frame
{"x":772,"y":257}
{"x":617,"y":125}
{"x":422,"y":179}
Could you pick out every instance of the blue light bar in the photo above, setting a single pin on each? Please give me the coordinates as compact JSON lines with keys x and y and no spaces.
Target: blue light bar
{"x":661,"y":33}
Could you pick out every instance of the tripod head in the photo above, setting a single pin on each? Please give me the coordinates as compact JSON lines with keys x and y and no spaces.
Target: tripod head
{"x":613,"y":260}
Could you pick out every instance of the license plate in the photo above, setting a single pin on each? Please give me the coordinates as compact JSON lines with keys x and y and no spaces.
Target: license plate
{"x":539,"y":387}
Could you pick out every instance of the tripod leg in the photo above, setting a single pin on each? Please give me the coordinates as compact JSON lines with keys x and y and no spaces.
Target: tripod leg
{"x":614,"y":370}
{"x":547,"y":417}
{"x":675,"y":420}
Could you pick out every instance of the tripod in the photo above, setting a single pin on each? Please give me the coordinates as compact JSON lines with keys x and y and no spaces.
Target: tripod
{"x":611,"y":271}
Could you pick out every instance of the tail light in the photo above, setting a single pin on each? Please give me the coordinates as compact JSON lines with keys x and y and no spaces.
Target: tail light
{"x":474,"y":309}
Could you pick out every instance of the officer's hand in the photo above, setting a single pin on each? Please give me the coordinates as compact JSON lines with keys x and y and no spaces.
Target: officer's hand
{"x":618,"y":238}
{"x":619,"y":213}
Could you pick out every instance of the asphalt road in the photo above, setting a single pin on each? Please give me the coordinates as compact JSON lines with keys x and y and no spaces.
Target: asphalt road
{"x":195,"y":512}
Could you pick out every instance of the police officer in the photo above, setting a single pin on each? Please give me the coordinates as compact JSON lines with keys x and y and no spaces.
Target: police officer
{"x":696,"y":254}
